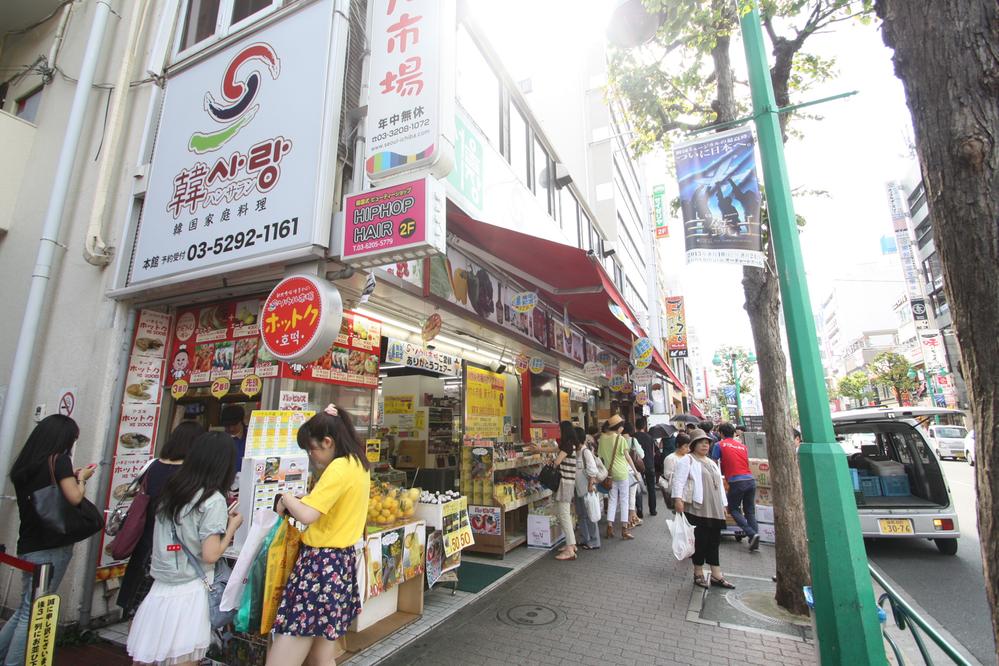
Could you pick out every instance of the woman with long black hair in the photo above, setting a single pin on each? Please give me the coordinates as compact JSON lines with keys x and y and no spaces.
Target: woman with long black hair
{"x":44,"y":460}
{"x":172,"y":625}
{"x":321,"y":597}
{"x":566,"y":461}
{"x":136,"y":582}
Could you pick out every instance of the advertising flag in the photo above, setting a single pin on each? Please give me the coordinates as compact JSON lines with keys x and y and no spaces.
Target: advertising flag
{"x":720,"y":198}
{"x":676,"y":327}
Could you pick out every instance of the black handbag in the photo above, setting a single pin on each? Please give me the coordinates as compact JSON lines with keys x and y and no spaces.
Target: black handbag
{"x":550,"y":477}
{"x":76,"y":523}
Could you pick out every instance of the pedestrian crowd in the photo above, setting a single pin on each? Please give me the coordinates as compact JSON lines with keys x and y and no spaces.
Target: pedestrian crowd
{"x":188,"y":521}
{"x":701,"y":471}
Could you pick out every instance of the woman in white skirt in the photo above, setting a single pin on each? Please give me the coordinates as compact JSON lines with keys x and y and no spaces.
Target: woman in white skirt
{"x":171,"y":627}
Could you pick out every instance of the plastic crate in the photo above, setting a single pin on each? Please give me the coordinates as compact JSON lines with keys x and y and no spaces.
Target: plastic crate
{"x":870,"y":486}
{"x":855,"y":476}
{"x":894,"y":486}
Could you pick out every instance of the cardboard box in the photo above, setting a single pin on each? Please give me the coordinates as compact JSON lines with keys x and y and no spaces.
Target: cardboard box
{"x":410,"y":454}
{"x":764,"y":496}
{"x":543,"y":531}
{"x":768,"y":533}
{"x":760,"y":468}
{"x":764,"y":513}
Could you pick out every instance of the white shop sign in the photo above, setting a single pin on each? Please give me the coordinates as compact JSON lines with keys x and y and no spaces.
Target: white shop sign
{"x":244,"y":154}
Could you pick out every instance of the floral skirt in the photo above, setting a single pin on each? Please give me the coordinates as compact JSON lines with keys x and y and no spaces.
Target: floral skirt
{"x":321,"y":597}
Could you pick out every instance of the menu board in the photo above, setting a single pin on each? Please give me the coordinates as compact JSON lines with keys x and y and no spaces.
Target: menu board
{"x":151,"y":331}
{"x":485,"y":403}
{"x":353,"y":360}
{"x":222,"y":340}
{"x":274,"y":432}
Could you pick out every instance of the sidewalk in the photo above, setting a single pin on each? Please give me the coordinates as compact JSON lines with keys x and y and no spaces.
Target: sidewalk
{"x":625,"y":603}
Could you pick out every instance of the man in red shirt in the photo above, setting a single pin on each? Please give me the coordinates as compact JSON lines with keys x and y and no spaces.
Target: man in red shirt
{"x":734,"y":458}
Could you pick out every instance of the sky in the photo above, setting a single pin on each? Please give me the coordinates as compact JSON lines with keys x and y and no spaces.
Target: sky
{"x":859,"y":144}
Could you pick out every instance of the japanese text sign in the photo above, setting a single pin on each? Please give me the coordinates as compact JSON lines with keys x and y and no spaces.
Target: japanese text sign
{"x":301,"y":318}
{"x":485,"y":403}
{"x":457,"y":529}
{"x":151,"y":332}
{"x":395,"y":223}
{"x":415,"y":356}
{"x":42,"y":630}
{"x":241,"y":168}
{"x":676,"y":327}
{"x":410,"y":100}
{"x":659,"y":212}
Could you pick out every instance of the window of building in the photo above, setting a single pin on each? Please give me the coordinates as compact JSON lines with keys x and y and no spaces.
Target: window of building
{"x":933,"y":272}
{"x":207,"y":21}
{"x":569,"y":210}
{"x":27,"y":106}
{"x":924,"y":233}
{"x":938,"y":300}
{"x":478,"y":87}
{"x":585,"y":230}
{"x":519,"y":141}
{"x":618,"y":274}
{"x":542,"y":171}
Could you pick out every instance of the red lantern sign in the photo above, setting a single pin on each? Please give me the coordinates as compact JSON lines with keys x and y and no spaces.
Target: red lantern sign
{"x":301,"y":318}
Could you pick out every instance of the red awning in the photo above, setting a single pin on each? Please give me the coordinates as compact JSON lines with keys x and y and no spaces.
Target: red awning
{"x":694,"y":410}
{"x":660,"y":364}
{"x":564,"y":275}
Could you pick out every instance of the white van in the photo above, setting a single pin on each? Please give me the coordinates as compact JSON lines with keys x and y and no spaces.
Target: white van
{"x":887,"y":442}
{"x":948,"y":441}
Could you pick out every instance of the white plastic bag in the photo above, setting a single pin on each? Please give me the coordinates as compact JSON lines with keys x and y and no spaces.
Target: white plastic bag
{"x":683,"y":537}
{"x":261,"y":524}
{"x":592,"y":501}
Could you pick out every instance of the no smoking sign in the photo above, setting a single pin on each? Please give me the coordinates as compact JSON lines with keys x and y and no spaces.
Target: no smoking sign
{"x":66,"y":404}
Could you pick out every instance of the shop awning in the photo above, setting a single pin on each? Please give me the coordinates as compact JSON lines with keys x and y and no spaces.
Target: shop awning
{"x":660,"y":364}
{"x":693,"y":409}
{"x":565,"y":275}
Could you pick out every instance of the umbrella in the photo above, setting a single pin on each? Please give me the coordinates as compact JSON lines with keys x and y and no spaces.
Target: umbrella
{"x":660,"y":431}
{"x":686,"y":418}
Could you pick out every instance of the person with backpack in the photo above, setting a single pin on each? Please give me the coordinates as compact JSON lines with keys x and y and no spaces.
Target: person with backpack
{"x":321,"y":597}
{"x":136,"y":582}
{"x":44,"y":461}
{"x":172,"y":625}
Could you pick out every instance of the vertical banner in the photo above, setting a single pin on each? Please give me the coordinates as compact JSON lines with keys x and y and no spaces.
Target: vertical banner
{"x":659,"y":212}
{"x":899,"y":209}
{"x":720,"y":198}
{"x":932,"y":345}
{"x":485,"y":403}
{"x":676,"y":327}
{"x":410,"y":117}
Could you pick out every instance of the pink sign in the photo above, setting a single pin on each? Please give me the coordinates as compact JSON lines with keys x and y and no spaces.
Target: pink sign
{"x":390,"y":223}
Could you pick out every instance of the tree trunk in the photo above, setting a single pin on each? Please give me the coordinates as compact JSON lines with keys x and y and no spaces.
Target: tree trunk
{"x":763,"y":307}
{"x":947,"y":55}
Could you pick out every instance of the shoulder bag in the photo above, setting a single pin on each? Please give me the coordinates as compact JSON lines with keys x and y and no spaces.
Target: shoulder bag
{"x":117,"y":518}
{"x":134,"y":524}
{"x":57,"y":514}
{"x":550,"y":477}
{"x":216,"y":616}
{"x":608,"y":482}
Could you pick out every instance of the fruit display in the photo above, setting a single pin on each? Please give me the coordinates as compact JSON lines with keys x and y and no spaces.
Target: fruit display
{"x":389,"y":504}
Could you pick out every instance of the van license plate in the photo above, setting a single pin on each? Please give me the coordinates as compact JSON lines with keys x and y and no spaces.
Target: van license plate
{"x":895,"y":526}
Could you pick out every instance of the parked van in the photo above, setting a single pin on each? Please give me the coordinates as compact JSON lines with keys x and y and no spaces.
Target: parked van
{"x":902,"y":488}
{"x":948,"y":441}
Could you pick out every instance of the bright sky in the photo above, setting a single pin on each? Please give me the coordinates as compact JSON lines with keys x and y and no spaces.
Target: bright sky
{"x":858,"y":145}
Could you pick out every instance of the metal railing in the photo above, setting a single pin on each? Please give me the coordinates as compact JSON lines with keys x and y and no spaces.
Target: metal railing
{"x":906,"y":617}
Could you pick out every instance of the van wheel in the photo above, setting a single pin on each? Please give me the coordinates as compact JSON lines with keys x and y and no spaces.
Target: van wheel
{"x":946,"y":546}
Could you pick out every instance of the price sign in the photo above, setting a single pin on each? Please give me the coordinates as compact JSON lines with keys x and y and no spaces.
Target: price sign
{"x":373,"y":449}
{"x":251,"y":385}
{"x":179,"y":389}
{"x":524,"y":302}
{"x":457,"y":530}
{"x":220,"y":387}
{"x":523,"y":363}
{"x":537,"y":365}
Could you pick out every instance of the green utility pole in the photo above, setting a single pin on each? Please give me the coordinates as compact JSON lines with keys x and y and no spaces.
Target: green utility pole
{"x":845,"y":615}
{"x":738,"y":391}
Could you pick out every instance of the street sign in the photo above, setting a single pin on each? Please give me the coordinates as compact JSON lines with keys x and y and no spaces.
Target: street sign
{"x":66,"y":403}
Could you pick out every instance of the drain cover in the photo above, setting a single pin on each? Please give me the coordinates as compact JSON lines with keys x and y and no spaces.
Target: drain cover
{"x":530,"y":615}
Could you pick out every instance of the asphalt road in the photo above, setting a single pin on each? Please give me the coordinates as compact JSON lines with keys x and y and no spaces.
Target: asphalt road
{"x":951,"y":589}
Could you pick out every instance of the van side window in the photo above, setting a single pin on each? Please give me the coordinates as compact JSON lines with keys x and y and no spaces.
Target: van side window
{"x":901,"y":449}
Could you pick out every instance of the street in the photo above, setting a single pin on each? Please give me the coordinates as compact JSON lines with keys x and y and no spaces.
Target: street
{"x":949,"y":588}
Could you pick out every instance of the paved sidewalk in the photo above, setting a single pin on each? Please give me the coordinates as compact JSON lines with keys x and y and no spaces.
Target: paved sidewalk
{"x":626,"y":603}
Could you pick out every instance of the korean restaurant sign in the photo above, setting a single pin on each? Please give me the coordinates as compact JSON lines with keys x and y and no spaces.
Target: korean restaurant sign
{"x":410,"y":121}
{"x":244,"y":152}
{"x":301,"y":318}
{"x":394,"y":224}
{"x":416,"y":356}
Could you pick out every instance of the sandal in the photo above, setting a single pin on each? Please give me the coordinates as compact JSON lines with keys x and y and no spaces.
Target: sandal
{"x":586,"y":546}
{"x":700,"y":582}
{"x":564,"y":556}
{"x":721,"y":582}
{"x":627,"y":536}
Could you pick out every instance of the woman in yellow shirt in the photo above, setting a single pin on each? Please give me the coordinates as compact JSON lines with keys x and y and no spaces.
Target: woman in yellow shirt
{"x":321,"y":597}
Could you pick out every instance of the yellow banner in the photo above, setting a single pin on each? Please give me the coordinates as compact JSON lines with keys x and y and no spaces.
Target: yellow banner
{"x":42,"y":630}
{"x":565,"y":407}
{"x":399,"y":404}
{"x":373,"y":449}
{"x":485,"y":403}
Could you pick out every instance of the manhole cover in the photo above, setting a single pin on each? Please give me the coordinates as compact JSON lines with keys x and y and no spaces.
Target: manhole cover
{"x":530,"y":615}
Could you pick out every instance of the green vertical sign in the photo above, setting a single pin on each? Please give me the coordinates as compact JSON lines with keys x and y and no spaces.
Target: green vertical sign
{"x":658,"y":214}
{"x":467,"y":174}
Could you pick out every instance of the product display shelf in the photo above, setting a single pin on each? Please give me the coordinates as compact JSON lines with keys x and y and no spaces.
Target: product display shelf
{"x":524,"y":501}
{"x":515,"y":463}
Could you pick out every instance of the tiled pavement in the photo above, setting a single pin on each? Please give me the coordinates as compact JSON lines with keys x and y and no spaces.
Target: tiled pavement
{"x":626,"y":603}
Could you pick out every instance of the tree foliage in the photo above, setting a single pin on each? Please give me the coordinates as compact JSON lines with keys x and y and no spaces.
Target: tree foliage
{"x":891,"y":371}
{"x":856,"y":385}
{"x":745,"y":366}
